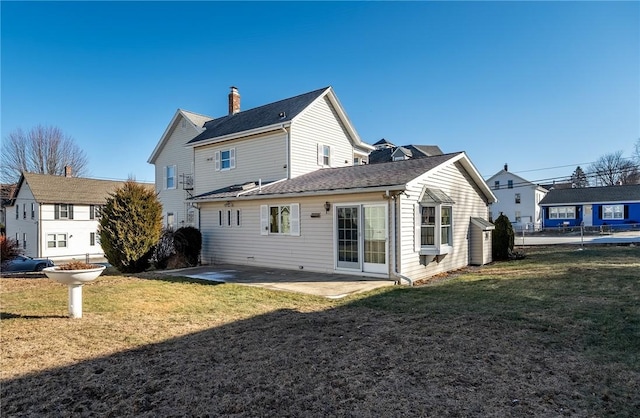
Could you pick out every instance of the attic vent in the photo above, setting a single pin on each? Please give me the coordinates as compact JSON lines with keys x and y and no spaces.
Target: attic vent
{"x":282,"y":115}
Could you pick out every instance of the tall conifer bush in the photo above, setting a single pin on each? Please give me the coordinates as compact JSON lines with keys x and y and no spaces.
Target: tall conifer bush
{"x":130,"y":226}
{"x":503,"y":238}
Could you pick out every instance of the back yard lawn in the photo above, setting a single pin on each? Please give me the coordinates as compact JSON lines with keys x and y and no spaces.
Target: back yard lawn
{"x":555,"y":334}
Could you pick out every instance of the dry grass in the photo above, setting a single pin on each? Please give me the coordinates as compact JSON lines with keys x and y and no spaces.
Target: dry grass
{"x":555,"y":334}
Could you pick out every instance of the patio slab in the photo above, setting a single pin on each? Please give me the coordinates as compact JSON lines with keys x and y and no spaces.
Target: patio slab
{"x":332,"y":286}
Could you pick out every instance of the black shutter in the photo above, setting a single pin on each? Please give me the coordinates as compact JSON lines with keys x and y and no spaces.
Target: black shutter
{"x":600,"y":212}
{"x":70,"y":211}
{"x":626,"y":211}
{"x":56,"y":211}
{"x":92,"y":211}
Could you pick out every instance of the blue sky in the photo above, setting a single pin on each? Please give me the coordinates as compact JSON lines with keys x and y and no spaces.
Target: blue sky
{"x":535,"y":85}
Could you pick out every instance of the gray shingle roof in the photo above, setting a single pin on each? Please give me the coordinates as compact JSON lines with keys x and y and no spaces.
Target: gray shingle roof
{"x":383,"y":155}
{"x":76,"y":190}
{"x":390,"y":174}
{"x":258,"y":117}
{"x":628,"y":193}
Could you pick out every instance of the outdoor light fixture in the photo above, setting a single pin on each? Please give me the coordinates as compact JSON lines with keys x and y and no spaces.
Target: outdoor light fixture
{"x":327,"y":206}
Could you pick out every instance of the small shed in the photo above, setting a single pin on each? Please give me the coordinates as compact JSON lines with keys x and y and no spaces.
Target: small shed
{"x":480,"y":242}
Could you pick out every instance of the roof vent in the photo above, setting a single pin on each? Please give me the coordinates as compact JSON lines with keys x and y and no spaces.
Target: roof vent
{"x":282,"y":115}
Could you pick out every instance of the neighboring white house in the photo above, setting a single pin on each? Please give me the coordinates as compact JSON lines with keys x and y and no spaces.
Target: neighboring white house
{"x":518,"y":199}
{"x":57,"y":216}
{"x":283,"y":185}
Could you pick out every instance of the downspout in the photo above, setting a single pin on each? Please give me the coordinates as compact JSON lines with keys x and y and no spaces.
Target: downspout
{"x":287,"y":140}
{"x":393,"y":202}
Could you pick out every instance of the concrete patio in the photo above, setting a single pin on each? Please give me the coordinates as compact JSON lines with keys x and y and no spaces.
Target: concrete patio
{"x":319,"y":284}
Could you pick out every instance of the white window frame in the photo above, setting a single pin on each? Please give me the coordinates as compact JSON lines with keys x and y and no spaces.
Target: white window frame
{"x":439,"y":246}
{"x":171,"y":221}
{"x":496,"y":185}
{"x":219,"y":160}
{"x":267,"y":225}
{"x":563,"y":212}
{"x":170,"y":182}
{"x":56,"y":240}
{"x":509,"y":184}
{"x":518,"y":198}
{"x":33,"y":210}
{"x":613,"y":212}
{"x":24,"y":240}
{"x":324,"y":155}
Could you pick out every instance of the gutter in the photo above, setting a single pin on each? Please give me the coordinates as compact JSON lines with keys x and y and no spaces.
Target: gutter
{"x":299,"y":194}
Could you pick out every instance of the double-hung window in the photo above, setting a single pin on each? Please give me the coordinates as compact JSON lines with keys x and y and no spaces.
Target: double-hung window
{"x":509,"y":184}
{"x":225,"y":159}
{"x":496,"y":185}
{"x":562,"y":212}
{"x":613,"y":212}
{"x":63,"y":211}
{"x":434,"y":223}
{"x":280,"y":219}
{"x":56,"y":240}
{"x":324,"y":155}
{"x":518,"y":198}
{"x":170,"y":177}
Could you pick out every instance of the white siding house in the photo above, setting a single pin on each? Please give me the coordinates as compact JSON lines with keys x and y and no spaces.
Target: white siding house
{"x":57,"y":217}
{"x":280,"y":186}
{"x":518,"y":199}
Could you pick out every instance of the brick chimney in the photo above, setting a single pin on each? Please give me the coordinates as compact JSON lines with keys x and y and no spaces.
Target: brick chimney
{"x":67,"y":171}
{"x":234,"y":101}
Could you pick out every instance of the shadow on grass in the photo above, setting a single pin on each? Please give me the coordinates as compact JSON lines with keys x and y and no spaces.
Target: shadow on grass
{"x":9,"y":315}
{"x":466,"y":350}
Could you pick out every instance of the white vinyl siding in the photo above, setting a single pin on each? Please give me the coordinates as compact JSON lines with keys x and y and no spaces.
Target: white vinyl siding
{"x":319,"y":126}
{"x":456,"y":183}
{"x":251,"y":243}
{"x":259,"y":158}
{"x":175,"y":154}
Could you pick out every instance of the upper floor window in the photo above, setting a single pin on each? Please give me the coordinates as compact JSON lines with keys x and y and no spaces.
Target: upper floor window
{"x":496,"y":185}
{"x":517,"y":197}
{"x":33,"y":211}
{"x":17,"y":211}
{"x":63,"y":211}
{"x":562,"y":212}
{"x":170,"y":177}
{"x":95,"y":211}
{"x":324,"y":155}
{"x":510,"y":184}
{"x":225,"y":160}
{"x":24,"y":211}
{"x":613,"y":212}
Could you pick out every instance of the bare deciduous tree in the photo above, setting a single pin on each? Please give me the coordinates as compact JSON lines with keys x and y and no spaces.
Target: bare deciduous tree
{"x":612,"y":169}
{"x":44,"y":150}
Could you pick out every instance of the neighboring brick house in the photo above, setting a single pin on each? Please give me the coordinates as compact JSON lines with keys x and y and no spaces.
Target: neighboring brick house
{"x":283,"y":185}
